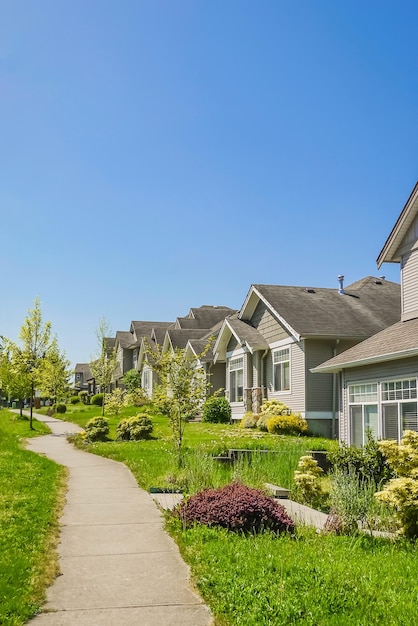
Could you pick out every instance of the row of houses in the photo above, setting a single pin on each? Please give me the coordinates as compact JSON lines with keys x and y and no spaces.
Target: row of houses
{"x":345,"y":358}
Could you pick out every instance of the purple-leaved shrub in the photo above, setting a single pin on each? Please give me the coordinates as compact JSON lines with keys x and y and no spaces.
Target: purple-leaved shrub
{"x":236,"y":507}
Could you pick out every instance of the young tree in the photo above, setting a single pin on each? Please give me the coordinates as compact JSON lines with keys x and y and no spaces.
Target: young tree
{"x":181,"y":391}
{"x":15,"y":381}
{"x":103,"y":365}
{"x":35,"y":337}
{"x":54,"y":373}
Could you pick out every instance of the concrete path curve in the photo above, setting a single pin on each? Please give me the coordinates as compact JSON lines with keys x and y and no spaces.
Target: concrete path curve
{"x":118,"y":566}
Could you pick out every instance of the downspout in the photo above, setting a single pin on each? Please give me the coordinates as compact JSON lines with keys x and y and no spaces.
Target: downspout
{"x":334,"y":394}
{"x":262,"y":368}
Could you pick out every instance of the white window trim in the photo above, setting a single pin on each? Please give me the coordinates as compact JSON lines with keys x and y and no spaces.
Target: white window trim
{"x":230,"y":356}
{"x":378,"y":381}
{"x":284,"y":392}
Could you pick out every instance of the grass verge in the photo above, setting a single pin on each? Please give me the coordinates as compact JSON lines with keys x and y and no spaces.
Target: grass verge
{"x":31,"y":497}
{"x":310,"y":579}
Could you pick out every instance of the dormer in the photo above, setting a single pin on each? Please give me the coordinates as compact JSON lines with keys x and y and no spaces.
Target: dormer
{"x":402,"y":247}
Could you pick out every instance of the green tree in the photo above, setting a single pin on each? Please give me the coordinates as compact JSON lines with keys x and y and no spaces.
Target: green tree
{"x":54,"y":373}
{"x":103,"y":365}
{"x":132,"y":381}
{"x":181,"y":391}
{"x":15,"y":381}
{"x":35,"y":337}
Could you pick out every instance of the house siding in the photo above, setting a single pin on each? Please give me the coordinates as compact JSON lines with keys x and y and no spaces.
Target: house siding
{"x":295,"y":399}
{"x":217,"y":377}
{"x":319,"y":387}
{"x":403,"y":368}
{"x":263,"y":320}
{"x":409,"y":281}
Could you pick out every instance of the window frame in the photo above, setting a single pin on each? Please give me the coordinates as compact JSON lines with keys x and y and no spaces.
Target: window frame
{"x":280,"y":365}
{"x":236,"y":365}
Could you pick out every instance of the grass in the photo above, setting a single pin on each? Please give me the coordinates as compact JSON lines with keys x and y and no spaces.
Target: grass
{"x":308,"y":579}
{"x":154,"y":465}
{"x":30,"y":496}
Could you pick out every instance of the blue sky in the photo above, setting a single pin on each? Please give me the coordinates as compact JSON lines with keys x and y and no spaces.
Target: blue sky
{"x":161,"y":154}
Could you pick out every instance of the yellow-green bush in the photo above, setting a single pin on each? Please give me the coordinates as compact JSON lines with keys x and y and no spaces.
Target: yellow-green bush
{"x":274,"y":407}
{"x":249,"y":420}
{"x":308,"y":480}
{"x":401,"y":494}
{"x":292,"y":424}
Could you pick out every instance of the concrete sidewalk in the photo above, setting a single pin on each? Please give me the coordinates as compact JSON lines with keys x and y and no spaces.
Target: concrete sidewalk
{"x":118,"y":565}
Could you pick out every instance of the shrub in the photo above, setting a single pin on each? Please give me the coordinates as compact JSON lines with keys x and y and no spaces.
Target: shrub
{"x":60,"y":408}
{"x":135,"y":428}
{"x":84,"y":397}
{"x":274,"y":407}
{"x":237,"y":508}
{"x":308,"y":480}
{"x":97,"y":429}
{"x":287,"y":425}
{"x":216,"y":409}
{"x":74,"y":399}
{"x":369,"y":462}
{"x":401,"y":493}
{"x":138,"y":397}
{"x":262,"y":422}
{"x":97,"y":399}
{"x":351,"y":502}
{"x":249,"y":420}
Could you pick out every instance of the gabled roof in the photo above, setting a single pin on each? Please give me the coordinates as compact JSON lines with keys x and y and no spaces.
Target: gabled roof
{"x":124,"y":338}
{"x":366,"y":307}
{"x":83,"y":368}
{"x":205,"y":316}
{"x":389,"y":252}
{"x":140,"y":329}
{"x":243,"y":332}
{"x":399,"y":341}
{"x":197,"y":347}
{"x":178,"y":338}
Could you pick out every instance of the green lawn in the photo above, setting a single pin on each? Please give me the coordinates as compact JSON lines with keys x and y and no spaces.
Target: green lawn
{"x":309,"y":579}
{"x":154,"y":465}
{"x":30,"y":494}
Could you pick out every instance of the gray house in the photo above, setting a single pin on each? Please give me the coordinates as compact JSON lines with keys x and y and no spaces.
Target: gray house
{"x":282,"y":332}
{"x":378,"y":377}
{"x":83,"y":378}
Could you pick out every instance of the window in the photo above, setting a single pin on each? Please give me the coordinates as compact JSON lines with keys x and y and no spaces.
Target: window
{"x":281,"y":370}
{"x":146,"y":381}
{"x":363,"y":409}
{"x":236,"y":380}
{"x":398,"y":412}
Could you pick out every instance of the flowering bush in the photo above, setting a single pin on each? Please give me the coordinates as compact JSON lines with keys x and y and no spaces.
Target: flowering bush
{"x":274,"y":407}
{"x":236,"y":507}
{"x":287,"y":425}
{"x":401,"y":494}
{"x":308,"y":480}
{"x":115,"y":401}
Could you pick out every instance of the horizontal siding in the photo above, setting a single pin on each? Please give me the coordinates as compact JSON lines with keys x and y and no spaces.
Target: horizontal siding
{"x":217,"y":377}
{"x":266,"y":324}
{"x":295,"y":400}
{"x":409,"y":275}
{"x":379,"y":371}
{"x":319,"y":386}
